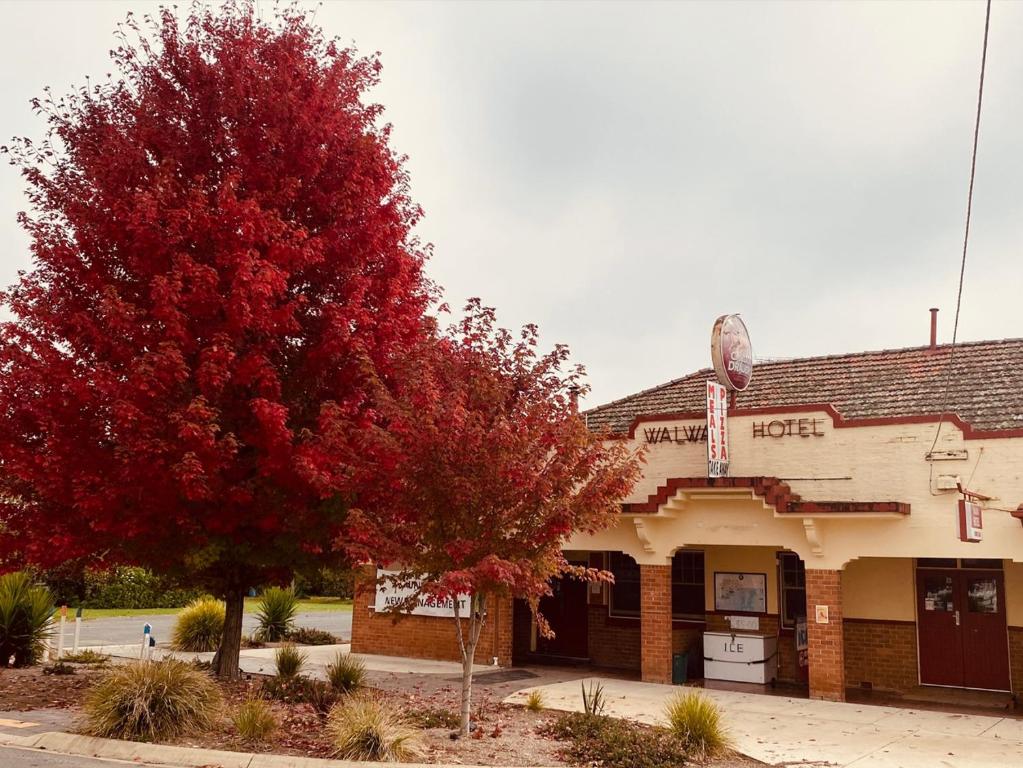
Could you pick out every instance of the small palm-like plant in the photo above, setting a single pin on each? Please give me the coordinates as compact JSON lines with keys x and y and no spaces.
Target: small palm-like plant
{"x":346,"y":673}
{"x":593,"y":698}
{"x":276,"y":613}
{"x":152,"y":700}
{"x":200,"y":625}
{"x":361,"y":728}
{"x":26,"y":619}
{"x":290,"y":660}
{"x":696,"y":721}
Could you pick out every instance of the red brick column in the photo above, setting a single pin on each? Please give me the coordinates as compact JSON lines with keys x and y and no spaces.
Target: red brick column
{"x":655,"y":623}
{"x":502,"y":619}
{"x":826,"y":652}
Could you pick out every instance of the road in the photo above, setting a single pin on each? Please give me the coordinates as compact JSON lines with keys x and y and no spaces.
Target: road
{"x":13,"y":757}
{"x":124,"y":630}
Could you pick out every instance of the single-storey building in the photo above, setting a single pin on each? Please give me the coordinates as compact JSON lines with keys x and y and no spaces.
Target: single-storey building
{"x":860,"y":539}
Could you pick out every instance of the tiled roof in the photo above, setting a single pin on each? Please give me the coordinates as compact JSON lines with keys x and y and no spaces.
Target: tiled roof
{"x":985,"y":387}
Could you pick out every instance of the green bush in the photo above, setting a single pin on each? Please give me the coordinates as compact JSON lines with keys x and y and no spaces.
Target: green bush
{"x":361,"y":728}
{"x":613,"y":743}
{"x":535,"y":701}
{"x":144,"y":701}
{"x":290,"y":660}
{"x":433,"y":717}
{"x":299,"y":689}
{"x":131,"y":587}
{"x":26,"y":619}
{"x":200,"y":625}
{"x":305,"y":636}
{"x":326,"y":582}
{"x":276,"y":613}
{"x":346,"y":673}
{"x":86,"y":656}
{"x":696,"y":722}
{"x":254,"y":720}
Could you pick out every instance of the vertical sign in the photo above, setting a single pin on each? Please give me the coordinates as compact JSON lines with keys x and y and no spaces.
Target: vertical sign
{"x":971,"y":521}
{"x":717,"y":435}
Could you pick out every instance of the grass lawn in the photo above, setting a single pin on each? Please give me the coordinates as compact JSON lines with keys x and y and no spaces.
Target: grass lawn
{"x":305,"y":605}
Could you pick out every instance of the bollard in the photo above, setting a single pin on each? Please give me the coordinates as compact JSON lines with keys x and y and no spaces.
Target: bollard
{"x":147,"y":630}
{"x":78,"y":627}
{"x":60,"y":637}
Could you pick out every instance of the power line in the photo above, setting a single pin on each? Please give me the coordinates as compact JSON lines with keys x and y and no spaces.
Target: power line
{"x":966,"y":236}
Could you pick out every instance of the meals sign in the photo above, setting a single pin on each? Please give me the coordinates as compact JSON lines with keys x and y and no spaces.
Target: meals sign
{"x":389,"y":597}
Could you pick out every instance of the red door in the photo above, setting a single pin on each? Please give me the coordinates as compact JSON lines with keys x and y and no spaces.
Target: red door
{"x":962,"y":632}
{"x":566,"y":612}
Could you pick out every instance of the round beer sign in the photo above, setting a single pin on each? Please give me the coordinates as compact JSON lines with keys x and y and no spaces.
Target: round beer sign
{"x":732,"y":352}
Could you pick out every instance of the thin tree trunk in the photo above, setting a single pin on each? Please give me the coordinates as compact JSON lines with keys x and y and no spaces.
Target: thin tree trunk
{"x":225,"y":663}
{"x":477,"y":607}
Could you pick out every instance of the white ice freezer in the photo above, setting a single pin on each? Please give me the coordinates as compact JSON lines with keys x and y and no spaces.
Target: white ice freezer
{"x":745,"y":657}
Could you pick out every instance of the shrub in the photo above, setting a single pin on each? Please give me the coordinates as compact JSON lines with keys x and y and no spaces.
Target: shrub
{"x":86,"y":656}
{"x":59,"y":668}
{"x":327,"y":582}
{"x":132,"y":587}
{"x":151,"y":700}
{"x":346,"y":673}
{"x":613,"y":743}
{"x":304,"y":636}
{"x":26,"y":619}
{"x":254,"y":720}
{"x":435,"y":718}
{"x":361,"y":728}
{"x":300,"y":689}
{"x":276,"y":613}
{"x":534,"y":701}
{"x":200,"y":625}
{"x":290,"y":660}
{"x":593,"y":698}
{"x":696,"y":722}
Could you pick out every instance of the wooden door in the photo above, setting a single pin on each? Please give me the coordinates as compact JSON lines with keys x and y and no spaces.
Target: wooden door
{"x":566,"y":612}
{"x":981,"y":607}
{"x":939,"y":639}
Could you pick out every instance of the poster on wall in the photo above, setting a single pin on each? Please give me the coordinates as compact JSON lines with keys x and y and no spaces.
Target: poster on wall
{"x":745,"y":592}
{"x":388,"y":596}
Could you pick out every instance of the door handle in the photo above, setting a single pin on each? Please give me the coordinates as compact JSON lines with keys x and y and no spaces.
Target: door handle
{"x":957,"y":618}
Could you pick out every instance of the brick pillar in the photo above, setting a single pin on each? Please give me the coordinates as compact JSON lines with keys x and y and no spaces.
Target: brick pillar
{"x":362,"y":617}
{"x":826,"y":651}
{"x":655,"y":623}
{"x":502,"y":616}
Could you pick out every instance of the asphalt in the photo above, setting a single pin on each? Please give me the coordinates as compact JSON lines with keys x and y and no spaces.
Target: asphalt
{"x":128,"y":629}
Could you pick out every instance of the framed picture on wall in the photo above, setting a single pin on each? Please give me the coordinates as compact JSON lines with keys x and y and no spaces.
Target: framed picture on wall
{"x":746,"y":592}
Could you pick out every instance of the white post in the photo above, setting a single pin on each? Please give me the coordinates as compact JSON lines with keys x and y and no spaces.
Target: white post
{"x":78,"y":627}
{"x":146,"y":630}
{"x":60,"y":637}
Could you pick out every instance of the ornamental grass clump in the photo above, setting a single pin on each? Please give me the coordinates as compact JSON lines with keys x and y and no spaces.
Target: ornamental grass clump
{"x":200,"y":625}
{"x":346,"y":673}
{"x":696,"y":722}
{"x":276,"y":614}
{"x":254,"y":719}
{"x":145,"y":701}
{"x":290,"y":660}
{"x":26,"y":619}
{"x":535,"y":701}
{"x":362,"y":728}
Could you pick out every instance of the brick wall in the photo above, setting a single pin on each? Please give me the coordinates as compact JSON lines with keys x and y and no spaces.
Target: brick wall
{"x":425,"y":637}
{"x":826,"y":641}
{"x":1016,"y":659}
{"x":655,"y":623}
{"x":881,"y":653}
{"x":613,"y":643}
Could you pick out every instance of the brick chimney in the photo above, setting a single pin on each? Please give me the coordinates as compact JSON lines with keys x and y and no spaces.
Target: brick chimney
{"x":934,"y":328}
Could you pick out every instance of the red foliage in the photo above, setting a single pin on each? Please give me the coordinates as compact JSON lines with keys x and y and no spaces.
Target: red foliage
{"x":223,"y":268}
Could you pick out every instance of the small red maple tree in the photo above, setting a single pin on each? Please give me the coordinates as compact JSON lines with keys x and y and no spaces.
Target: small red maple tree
{"x":223,"y":271}
{"x":497,"y":468}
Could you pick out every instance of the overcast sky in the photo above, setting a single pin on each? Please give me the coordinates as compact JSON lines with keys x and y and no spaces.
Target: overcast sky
{"x":621,"y":174}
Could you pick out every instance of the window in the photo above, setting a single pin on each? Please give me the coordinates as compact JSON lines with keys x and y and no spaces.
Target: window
{"x":625,"y":590}
{"x":792,"y":582}
{"x":687,"y":586}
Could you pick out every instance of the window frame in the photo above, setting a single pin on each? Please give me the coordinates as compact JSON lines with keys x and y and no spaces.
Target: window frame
{"x":783,"y":590}
{"x":678,"y":615}
{"x":612,"y":588}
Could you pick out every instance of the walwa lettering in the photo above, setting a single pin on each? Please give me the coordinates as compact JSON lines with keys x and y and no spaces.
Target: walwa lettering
{"x":696,"y":433}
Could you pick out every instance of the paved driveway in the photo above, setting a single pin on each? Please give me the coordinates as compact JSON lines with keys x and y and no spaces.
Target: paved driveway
{"x":125,"y":630}
{"x":782,"y":731}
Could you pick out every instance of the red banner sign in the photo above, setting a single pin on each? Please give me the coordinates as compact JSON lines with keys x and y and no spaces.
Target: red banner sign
{"x":717,"y":430}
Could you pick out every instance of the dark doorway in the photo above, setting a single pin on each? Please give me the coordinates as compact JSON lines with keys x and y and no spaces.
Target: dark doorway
{"x":962,"y":628}
{"x":566,"y":612}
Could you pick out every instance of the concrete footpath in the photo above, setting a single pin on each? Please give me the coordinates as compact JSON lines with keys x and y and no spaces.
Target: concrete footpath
{"x":778,"y":730}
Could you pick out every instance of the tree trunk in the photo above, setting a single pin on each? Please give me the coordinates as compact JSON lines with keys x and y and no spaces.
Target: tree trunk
{"x":225,"y":663}
{"x":477,"y":615}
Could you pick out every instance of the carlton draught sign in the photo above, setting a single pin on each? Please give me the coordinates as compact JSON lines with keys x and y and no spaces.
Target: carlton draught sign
{"x":731,"y":352}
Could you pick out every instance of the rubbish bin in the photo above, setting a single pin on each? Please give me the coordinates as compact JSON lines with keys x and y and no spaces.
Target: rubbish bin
{"x":679,"y":668}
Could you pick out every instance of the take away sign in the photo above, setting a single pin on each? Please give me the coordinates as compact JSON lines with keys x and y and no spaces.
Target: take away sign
{"x":717,"y":430}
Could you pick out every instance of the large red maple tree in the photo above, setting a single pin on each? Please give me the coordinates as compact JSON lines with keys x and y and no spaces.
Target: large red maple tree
{"x":497,"y":469}
{"x":223,"y":271}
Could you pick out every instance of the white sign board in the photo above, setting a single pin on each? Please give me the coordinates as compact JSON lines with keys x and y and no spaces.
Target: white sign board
{"x":717,"y":433}
{"x":744,"y":622}
{"x":389,"y":596}
{"x":971,"y":521}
